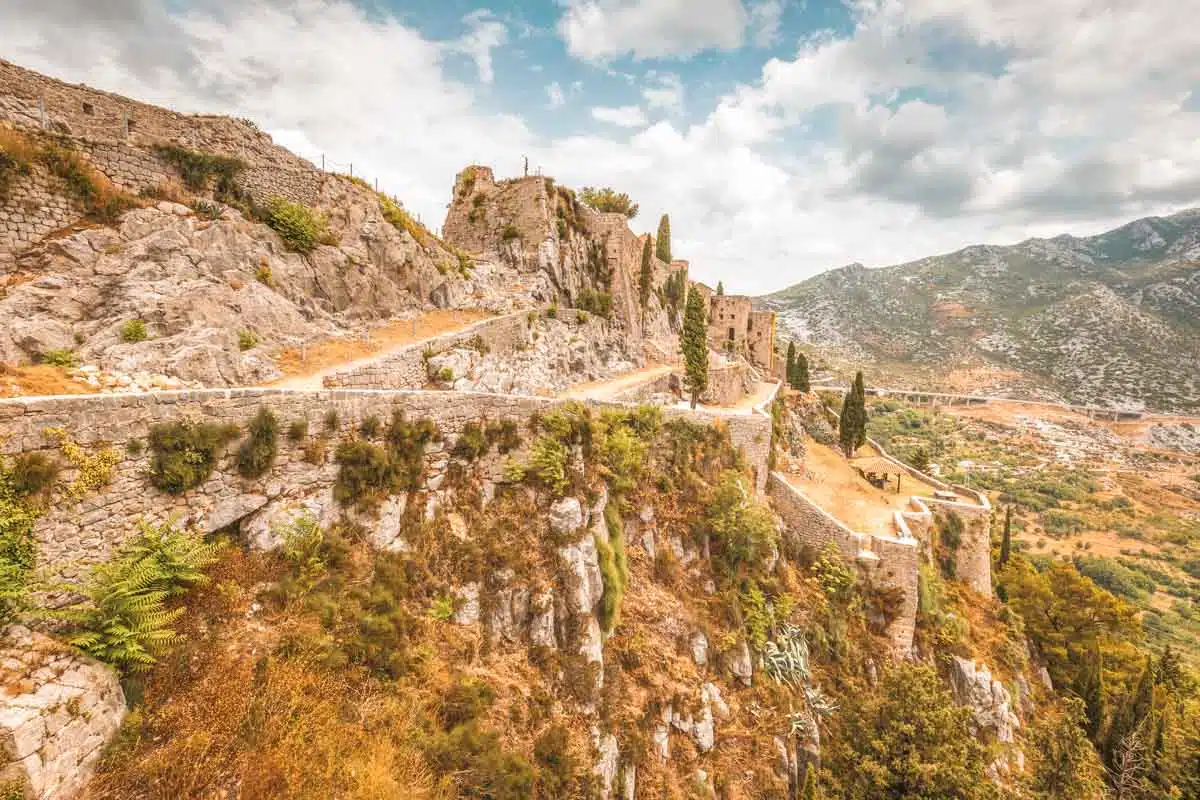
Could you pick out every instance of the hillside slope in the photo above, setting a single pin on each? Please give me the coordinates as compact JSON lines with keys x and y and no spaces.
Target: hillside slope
{"x":1112,"y":319}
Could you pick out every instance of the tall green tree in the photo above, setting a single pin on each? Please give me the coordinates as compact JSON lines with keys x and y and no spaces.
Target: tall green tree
{"x":663,"y":240}
{"x":646,"y":282}
{"x":1006,"y":541}
{"x":1089,"y":687}
{"x":693,"y":341}
{"x":906,"y":739}
{"x":791,"y":364}
{"x":852,"y":426}
{"x":1064,"y":763}
{"x":720,"y":287}
{"x":801,"y":383}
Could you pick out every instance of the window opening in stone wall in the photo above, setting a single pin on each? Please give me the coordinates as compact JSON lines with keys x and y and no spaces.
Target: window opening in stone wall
{"x":731,"y":334}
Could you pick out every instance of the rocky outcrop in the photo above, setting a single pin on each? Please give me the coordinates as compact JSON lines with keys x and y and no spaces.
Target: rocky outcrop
{"x":992,"y":715}
{"x":57,"y":711}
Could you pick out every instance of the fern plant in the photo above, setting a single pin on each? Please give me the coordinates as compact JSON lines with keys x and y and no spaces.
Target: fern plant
{"x":123,"y":619}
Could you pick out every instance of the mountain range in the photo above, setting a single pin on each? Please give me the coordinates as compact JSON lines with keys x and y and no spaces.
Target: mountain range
{"x":1111,"y":320}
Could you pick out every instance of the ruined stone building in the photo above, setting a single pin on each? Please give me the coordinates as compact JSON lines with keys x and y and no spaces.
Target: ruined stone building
{"x":735,"y":327}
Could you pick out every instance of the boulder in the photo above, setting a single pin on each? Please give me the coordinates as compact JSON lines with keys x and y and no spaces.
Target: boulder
{"x":566,"y":516}
{"x":989,"y":701}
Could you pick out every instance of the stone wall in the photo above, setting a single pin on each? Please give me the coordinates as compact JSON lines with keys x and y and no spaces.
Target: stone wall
{"x":34,"y":207}
{"x":406,"y":367}
{"x":889,"y":561}
{"x":728,"y":316}
{"x":760,"y":339}
{"x":117,"y":135}
{"x":973,"y":557}
{"x":726,"y":384}
{"x":57,"y":710}
{"x":72,"y":535}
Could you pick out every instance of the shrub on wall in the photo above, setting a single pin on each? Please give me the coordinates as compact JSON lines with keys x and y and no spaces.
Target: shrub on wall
{"x":365,"y":475}
{"x":63,"y":357}
{"x":257,"y":453}
{"x":183,"y":455}
{"x":301,"y":228}
{"x":198,"y":169}
{"x":100,"y":199}
{"x":17,"y":550}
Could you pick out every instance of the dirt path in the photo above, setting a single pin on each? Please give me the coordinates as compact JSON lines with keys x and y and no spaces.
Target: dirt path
{"x":837,"y":487}
{"x":605,"y":389}
{"x":307,"y":370}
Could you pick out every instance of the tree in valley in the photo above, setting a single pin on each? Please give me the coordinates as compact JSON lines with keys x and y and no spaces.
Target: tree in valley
{"x":693,"y":341}
{"x":646,"y":281}
{"x":609,"y":200}
{"x":1064,"y":763}
{"x":906,"y":738}
{"x":663,"y":240}
{"x":852,"y":425}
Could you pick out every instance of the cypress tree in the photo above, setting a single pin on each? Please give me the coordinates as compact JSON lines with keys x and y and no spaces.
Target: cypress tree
{"x":663,"y":241}
{"x":720,"y":288}
{"x":693,"y":341}
{"x":1006,"y":541}
{"x":852,"y":426}
{"x":1130,"y":715}
{"x":791,"y":365}
{"x":801,"y":383}
{"x":1089,"y":687}
{"x":647,"y":277}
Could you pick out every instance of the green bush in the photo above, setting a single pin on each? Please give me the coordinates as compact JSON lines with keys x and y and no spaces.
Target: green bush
{"x":133,"y":331}
{"x":509,"y":233}
{"x":332,"y":421}
{"x":598,"y":303}
{"x":369,"y":427}
{"x":466,"y":700}
{"x":505,"y":435}
{"x":741,"y":532}
{"x":548,"y":464}
{"x":471,"y":443}
{"x":614,"y":569}
{"x":365,"y":474}
{"x":301,"y":228}
{"x":1115,"y":577}
{"x":298,"y":430}
{"x":17,"y":549}
{"x":445,"y":375}
{"x":479,"y":765}
{"x":124,"y":620}
{"x":32,"y":474}
{"x":183,"y":454}
{"x":247,"y":339}
{"x":609,"y":200}
{"x":62,"y":357}
{"x":556,"y":767}
{"x":197,"y":169}
{"x":257,"y":453}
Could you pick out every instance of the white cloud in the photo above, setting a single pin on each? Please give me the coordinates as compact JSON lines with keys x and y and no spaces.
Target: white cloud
{"x":663,"y":91}
{"x":1024,"y":132}
{"x":624,"y":116}
{"x":485,"y":35}
{"x":557,"y":99}
{"x":766,"y":17}
{"x":595,"y":30}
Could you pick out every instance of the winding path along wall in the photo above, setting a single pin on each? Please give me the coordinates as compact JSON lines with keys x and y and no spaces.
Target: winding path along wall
{"x":74,"y":534}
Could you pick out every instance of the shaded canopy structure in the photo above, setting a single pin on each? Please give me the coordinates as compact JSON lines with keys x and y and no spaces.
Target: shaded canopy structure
{"x":878,"y":470}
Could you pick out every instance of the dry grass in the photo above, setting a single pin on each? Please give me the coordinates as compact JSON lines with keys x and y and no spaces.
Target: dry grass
{"x":302,"y":368}
{"x":38,"y":379}
{"x":837,"y":487}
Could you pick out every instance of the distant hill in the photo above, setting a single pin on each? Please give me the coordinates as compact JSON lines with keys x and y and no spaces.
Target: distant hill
{"x":1111,"y":320}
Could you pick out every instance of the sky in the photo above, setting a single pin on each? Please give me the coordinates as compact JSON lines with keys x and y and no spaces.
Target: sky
{"x":783,"y":137}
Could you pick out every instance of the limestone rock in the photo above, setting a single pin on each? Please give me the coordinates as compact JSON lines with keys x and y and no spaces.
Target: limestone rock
{"x":566,"y":516}
{"x":384,"y":532}
{"x":264,"y":529}
{"x":740,"y":664}
{"x":989,"y":701}
{"x":629,"y":782}
{"x":606,"y":763}
{"x":61,"y":709}
{"x":467,"y":598}
{"x":230,"y":511}
{"x":541,"y":625}
{"x":700,"y":648}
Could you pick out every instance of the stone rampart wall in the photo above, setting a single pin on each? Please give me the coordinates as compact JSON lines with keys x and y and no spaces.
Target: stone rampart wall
{"x":406,"y":368}
{"x":889,"y":561}
{"x":973,"y":558}
{"x":73,"y":534}
{"x":35,"y":206}
{"x":726,"y":384}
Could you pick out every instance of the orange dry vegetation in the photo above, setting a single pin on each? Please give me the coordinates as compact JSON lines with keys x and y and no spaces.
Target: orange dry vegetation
{"x":38,"y":379}
{"x":836,"y":486}
{"x":322,"y":356}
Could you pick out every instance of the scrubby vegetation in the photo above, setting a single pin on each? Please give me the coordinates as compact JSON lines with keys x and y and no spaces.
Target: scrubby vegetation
{"x":609,"y":200}
{"x":184,"y":454}
{"x":368,"y":473}
{"x":257,"y":453}
{"x":300,"y":227}
{"x":133,"y":331}
{"x":204,"y":171}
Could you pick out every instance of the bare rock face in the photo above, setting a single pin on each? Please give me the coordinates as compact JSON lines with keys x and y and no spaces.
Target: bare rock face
{"x":606,"y":763}
{"x":990,"y":702}
{"x":57,"y":711}
{"x":740,"y":664}
{"x":566,"y":515}
{"x":198,"y":284}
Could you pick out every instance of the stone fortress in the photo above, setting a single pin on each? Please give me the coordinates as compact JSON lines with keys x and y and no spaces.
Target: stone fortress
{"x":550,"y":250}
